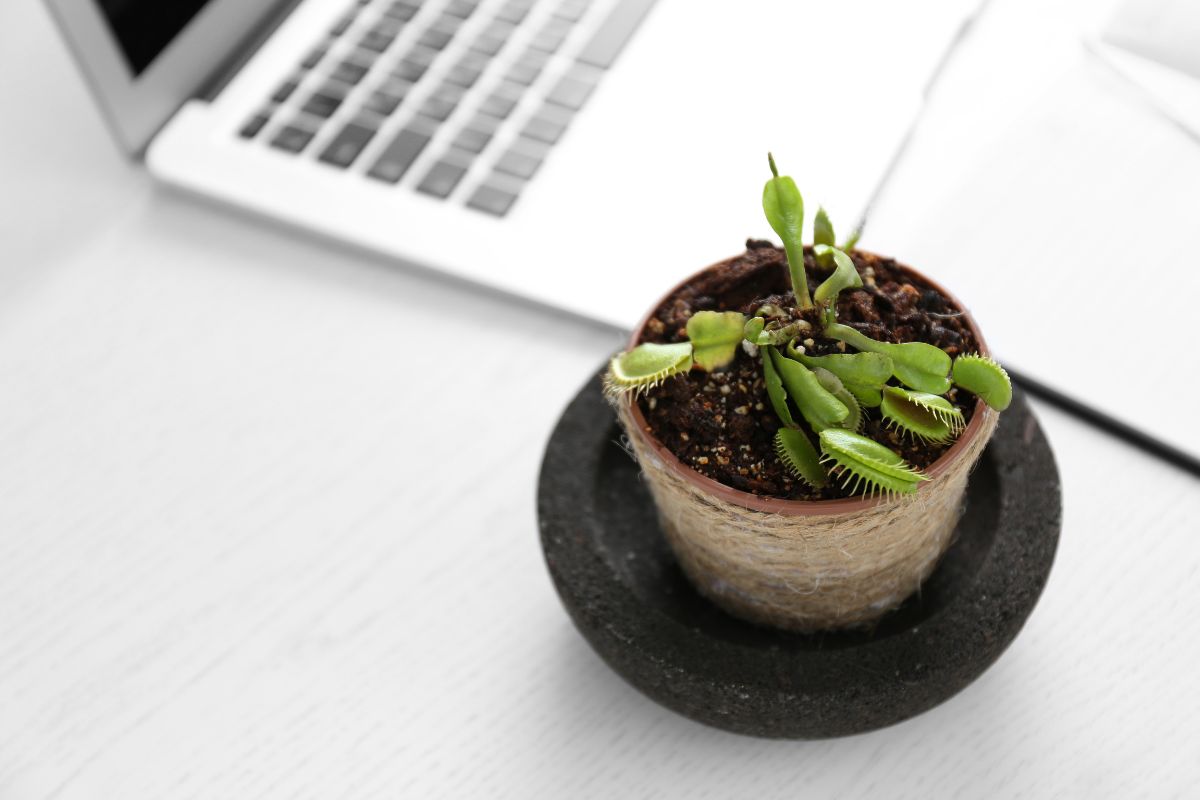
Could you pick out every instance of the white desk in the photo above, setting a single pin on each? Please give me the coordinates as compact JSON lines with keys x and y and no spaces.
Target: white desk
{"x":264,"y":533}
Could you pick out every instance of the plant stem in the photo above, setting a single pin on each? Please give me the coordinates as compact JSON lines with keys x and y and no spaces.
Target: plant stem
{"x":795,"y":258}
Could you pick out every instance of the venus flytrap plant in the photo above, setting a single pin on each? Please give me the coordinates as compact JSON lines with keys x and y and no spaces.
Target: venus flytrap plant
{"x":828,"y":395}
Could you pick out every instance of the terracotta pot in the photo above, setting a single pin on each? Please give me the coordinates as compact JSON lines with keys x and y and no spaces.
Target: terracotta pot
{"x":807,"y":565}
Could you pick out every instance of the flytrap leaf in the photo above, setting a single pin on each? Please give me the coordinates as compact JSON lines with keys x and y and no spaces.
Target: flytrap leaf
{"x":844,"y":276}
{"x":648,"y":365}
{"x":800,"y":457}
{"x":775,"y":391}
{"x":833,"y":385}
{"x":868,"y":464}
{"x":715,"y":337}
{"x":784,"y":209}
{"x":863,"y":374}
{"x":918,"y":365}
{"x":818,"y":406}
{"x":985,"y":378}
{"x":923,"y":415}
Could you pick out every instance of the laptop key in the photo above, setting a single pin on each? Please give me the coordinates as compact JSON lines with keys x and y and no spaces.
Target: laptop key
{"x":515,"y":11}
{"x":450,"y":23}
{"x":462,"y":8}
{"x":546,"y":126}
{"x":387,"y":97}
{"x":342,"y":25}
{"x":521,"y":162}
{"x":472,"y":140}
{"x":441,"y":103}
{"x":414,"y":65}
{"x":610,"y":38}
{"x":349,"y":142}
{"x":402,"y":10}
{"x":527,"y":68}
{"x":441,"y":179}
{"x":572,"y":10}
{"x":254,"y":125}
{"x":492,"y":200}
{"x":285,"y":90}
{"x":314,"y":56}
{"x":468,"y":69}
{"x":399,"y":155}
{"x":349,"y":72}
{"x":376,"y":41}
{"x":571,"y":91}
{"x":291,"y":138}
{"x":323,"y":105}
{"x":552,"y":35}
{"x":502,"y":101}
{"x":493,"y":38}
{"x":435,"y":38}
{"x":476,"y":134}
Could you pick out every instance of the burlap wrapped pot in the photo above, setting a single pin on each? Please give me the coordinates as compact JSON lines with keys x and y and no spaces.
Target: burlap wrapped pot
{"x":807,"y":565}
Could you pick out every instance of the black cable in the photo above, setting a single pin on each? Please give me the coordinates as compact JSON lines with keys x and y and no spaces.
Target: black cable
{"x":1114,"y":427}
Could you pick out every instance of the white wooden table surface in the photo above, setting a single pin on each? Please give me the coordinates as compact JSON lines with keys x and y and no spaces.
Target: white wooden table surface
{"x":266,"y":532}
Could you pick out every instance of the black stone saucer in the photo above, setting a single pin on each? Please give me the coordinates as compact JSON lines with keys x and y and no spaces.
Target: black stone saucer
{"x":628,"y":597}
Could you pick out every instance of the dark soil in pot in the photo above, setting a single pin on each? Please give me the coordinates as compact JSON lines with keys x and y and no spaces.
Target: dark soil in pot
{"x":721,"y":423}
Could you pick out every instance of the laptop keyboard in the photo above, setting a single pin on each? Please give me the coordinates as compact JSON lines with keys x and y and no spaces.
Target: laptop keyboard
{"x":425,"y":94}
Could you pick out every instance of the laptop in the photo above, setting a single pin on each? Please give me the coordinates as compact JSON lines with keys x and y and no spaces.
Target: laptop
{"x":586,"y":154}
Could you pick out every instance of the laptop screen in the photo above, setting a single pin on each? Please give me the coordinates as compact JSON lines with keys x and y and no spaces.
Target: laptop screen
{"x":144,"y":28}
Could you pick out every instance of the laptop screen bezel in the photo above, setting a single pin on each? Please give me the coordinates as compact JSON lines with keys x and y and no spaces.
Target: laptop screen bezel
{"x":136,"y":107}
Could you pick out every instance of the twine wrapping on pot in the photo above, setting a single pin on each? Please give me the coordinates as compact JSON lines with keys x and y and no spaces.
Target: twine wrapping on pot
{"x":808,"y":572}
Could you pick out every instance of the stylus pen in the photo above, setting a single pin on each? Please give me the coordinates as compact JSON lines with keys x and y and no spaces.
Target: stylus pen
{"x":1114,"y":427}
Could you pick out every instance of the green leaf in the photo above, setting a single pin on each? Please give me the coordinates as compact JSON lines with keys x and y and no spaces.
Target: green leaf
{"x":862,"y":369}
{"x":784,"y":208}
{"x":775,"y":390}
{"x":870,"y":465}
{"x":833,"y":385}
{"x":926,"y":416}
{"x":984,"y":377}
{"x":823,"y":229}
{"x":753,"y":327}
{"x":867,"y":396}
{"x":648,"y":365}
{"x":820,"y":408}
{"x":715,"y":337}
{"x":917,"y":364}
{"x":845,"y":276}
{"x":798,"y":455}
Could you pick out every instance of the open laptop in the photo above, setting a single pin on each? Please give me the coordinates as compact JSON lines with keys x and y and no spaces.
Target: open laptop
{"x":584,"y":153}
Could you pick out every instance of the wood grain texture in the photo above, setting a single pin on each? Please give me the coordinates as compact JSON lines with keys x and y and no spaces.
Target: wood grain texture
{"x":266,"y":533}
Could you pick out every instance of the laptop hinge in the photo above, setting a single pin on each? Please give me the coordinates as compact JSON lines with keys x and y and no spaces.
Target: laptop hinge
{"x":245,"y":51}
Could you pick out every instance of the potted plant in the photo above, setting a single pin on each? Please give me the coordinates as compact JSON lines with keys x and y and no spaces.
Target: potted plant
{"x":808,"y":453}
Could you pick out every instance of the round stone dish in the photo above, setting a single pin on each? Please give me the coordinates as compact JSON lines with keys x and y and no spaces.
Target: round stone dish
{"x":630,"y":600}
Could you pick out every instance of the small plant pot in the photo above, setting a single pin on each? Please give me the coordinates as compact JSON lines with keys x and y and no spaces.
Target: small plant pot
{"x":807,"y":565}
